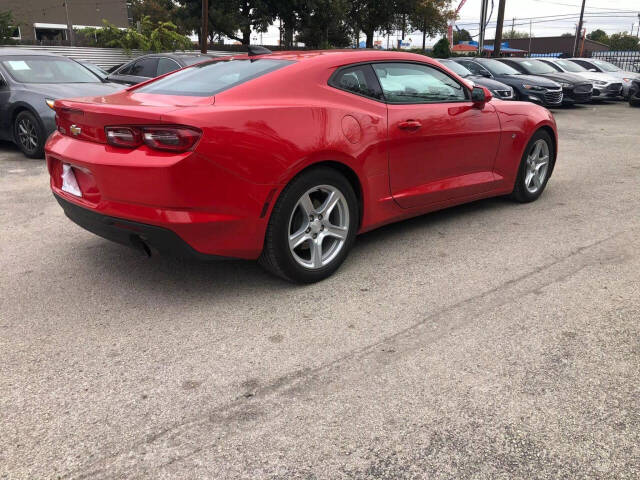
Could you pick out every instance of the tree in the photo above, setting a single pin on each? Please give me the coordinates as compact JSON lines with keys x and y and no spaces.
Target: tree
{"x":166,"y":37}
{"x":232,"y":18}
{"x":512,"y":34}
{"x":156,"y":10}
{"x":7,"y":28}
{"x":371,"y":16}
{"x":431,"y":17}
{"x":623,"y":41}
{"x":461,"y":36}
{"x":441,"y":48}
{"x":568,"y":34}
{"x":599,"y":36}
{"x":322,"y":24}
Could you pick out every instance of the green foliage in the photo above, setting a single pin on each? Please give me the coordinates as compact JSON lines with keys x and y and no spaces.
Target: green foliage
{"x":320,"y":24}
{"x":166,"y":37}
{"x":511,"y":34}
{"x":623,"y":41}
{"x":441,"y":48}
{"x":599,"y":36}
{"x":163,"y":36}
{"x":461,"y":36}
{"x":7,"y":28}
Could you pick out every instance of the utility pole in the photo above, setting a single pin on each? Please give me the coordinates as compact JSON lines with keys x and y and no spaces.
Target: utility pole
{"x":483,"y":19}
{"x":204,"y":34}
{"x":579,"y":30}
{"x":70,"y":34}
{"x":497,"y":43}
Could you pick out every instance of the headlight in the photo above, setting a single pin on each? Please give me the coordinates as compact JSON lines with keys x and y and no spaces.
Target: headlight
{"x":598,"y":82}
{"x":626,"y":80}
{"x":534,"y":88}
{"x":565,"y":85}
{"x":50,"y":102}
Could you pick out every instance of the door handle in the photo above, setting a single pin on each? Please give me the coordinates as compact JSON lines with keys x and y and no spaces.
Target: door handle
{"x":410,"y":125}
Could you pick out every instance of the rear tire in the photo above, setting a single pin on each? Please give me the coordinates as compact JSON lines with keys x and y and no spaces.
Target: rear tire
{"x":312,"y":227}
{"x":535,"y":169}
{"x":29,"y":135}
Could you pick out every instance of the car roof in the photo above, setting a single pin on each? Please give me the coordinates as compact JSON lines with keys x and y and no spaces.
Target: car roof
{"x":336,"y":57}
{"x":27,"y":52}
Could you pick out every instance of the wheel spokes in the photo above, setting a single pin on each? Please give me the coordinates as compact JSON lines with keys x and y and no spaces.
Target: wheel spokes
{"x":316,"y":252}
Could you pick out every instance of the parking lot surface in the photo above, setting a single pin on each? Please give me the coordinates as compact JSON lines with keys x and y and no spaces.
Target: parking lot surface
{"x":489,"y":341}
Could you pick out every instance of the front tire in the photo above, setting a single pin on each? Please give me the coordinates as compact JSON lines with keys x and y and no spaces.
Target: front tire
{"x":29,"y":135}
{"x":312,"y":227}
{"x":535,"y":169}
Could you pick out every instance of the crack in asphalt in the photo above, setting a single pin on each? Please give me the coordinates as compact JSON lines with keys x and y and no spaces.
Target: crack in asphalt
{"x":409,"y":338}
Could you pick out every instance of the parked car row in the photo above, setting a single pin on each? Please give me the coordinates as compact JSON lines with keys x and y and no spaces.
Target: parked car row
{"x":550,"y":82}
{"x":31,"y":81}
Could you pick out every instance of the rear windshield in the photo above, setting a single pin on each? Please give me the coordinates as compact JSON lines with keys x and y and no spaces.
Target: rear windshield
{"x":208,"y":79}
{"x":28,"y":69}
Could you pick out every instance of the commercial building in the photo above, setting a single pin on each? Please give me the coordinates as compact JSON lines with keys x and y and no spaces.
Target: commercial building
{"x":47,"y":20}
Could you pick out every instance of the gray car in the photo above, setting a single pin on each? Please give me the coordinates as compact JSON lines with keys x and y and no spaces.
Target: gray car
{"x":153,"y":65}
{"x":29,"y":84}
{"x":597,"y":65}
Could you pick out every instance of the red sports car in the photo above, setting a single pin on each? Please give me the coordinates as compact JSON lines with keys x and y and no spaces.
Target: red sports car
{"x":285,"y":157}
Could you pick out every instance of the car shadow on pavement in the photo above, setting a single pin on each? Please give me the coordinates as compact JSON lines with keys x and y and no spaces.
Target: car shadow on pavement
{"x":121,"y":263}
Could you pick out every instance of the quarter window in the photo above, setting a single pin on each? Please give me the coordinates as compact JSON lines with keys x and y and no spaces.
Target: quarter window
{"x":358,"y":79}
{"x":413,"y":83}
{"x":166,"y":65}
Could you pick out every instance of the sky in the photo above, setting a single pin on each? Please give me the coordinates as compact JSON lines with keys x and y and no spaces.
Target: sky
{"x":609,"y":15}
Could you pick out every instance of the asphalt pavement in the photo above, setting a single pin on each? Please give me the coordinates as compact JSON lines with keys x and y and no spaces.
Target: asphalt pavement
{"x":489,"y":341}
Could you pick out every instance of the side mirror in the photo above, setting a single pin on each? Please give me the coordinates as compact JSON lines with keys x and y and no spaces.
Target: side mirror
{"x":485,"y":73}
{"x":3,"y":82}
{"x":480,"y":95}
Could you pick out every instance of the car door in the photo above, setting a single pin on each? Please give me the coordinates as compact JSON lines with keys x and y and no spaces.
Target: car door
{"x":442,"y":146}
{"x":136,"y":72}
{"x":5,"y":123}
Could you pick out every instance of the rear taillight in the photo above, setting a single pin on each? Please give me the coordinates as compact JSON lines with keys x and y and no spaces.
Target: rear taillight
{"x":174,"y":139}
{"x":125,"y":137}
{"x":167,"y":138}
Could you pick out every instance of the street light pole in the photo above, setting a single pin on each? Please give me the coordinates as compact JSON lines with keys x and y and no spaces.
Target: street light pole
{"x":204,"y":31}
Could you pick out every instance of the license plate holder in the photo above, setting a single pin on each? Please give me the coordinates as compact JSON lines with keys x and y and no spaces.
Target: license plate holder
{"x":69,"y":181}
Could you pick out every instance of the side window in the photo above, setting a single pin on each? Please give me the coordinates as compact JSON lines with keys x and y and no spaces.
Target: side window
{"x":358,"y":79}
{"x":582,"y":63}
{"x":475,"y":68}
{"x":166,"y":65}
{"x":126,"y":70}
{"x":145,"y":67}
{"x":413,"y":83}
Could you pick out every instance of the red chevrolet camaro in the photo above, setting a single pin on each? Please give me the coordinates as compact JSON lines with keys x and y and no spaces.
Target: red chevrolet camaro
{"x":286,"y":157}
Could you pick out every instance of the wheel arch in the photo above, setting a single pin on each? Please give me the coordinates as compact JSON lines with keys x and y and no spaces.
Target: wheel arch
{"x":552,"y":134}
{"x":343,"y":168}
{"x":17,"y":108}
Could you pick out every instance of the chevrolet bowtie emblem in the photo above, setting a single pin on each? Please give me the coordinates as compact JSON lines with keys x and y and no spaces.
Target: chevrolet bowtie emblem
{"x":76,"y":130}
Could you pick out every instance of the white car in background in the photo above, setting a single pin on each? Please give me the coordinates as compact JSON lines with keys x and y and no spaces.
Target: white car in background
{"x":604,"y":85}
{"x":596,"y":65}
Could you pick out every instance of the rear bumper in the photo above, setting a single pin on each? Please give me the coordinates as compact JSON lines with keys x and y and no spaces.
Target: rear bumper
{"x":133,"y":234}
{"x":167,"y":200}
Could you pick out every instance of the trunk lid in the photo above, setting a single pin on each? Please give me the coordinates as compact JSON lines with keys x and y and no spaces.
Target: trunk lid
{"x":85,"y":118}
